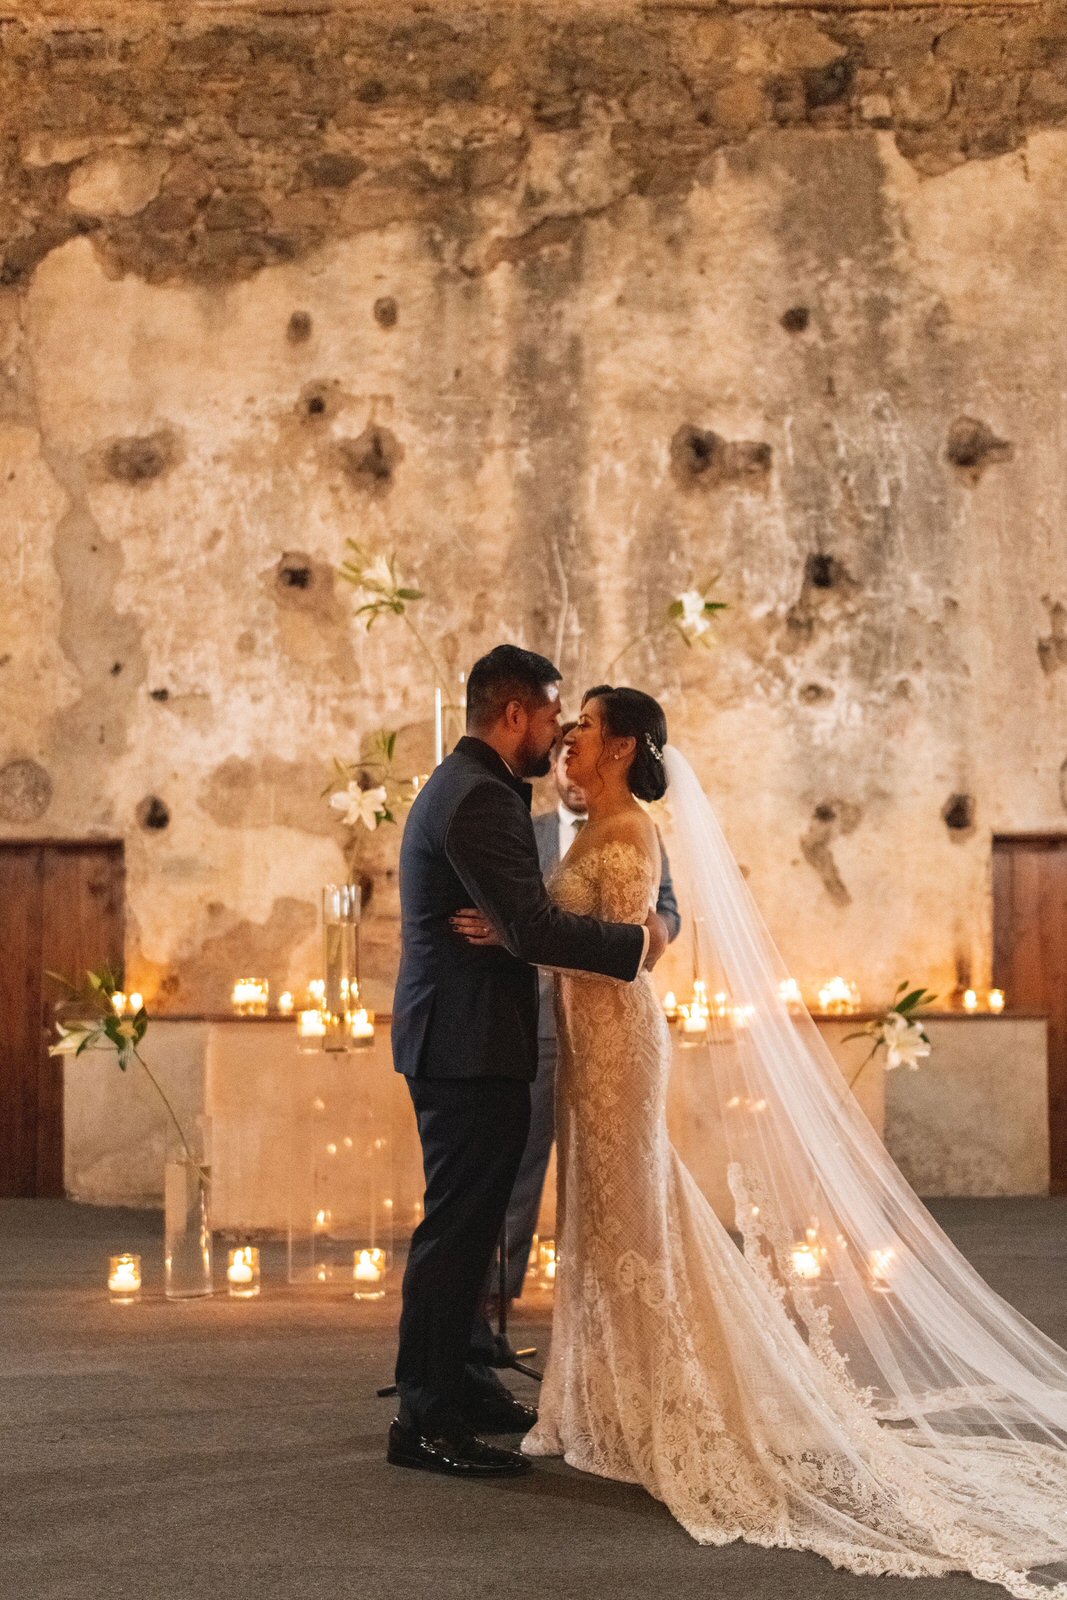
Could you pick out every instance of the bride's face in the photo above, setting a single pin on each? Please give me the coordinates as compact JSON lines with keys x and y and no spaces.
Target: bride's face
{"x":584,"y":748}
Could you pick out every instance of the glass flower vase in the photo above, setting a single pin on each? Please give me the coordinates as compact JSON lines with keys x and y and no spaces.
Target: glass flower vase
{"x":187,"y":1219}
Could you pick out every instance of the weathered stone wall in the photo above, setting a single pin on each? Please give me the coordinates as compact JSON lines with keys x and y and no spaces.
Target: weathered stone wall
{"x":568,"y":310}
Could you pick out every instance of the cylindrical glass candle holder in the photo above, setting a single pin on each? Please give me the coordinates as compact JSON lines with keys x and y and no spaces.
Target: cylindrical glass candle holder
{"x":369,"y":1267}
{"x":242,"y":1272}
{"x":124,"y":1279}
{"x":186,"y":1223}
{"x":341,"y":904}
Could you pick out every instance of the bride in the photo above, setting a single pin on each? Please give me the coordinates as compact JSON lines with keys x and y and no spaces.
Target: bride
{"x":830,"y":1375}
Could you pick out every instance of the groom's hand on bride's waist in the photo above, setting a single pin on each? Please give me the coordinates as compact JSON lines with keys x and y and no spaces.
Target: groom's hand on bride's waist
{"x":658,"y":938}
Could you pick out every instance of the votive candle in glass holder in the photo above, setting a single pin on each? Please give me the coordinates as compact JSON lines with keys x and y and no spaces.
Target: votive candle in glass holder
{"x":250,"y":997}
{"x":369,"y":1269}
{"x":970,"y":1000}
{"x":547,"y":1260}
{"x":361,"y":1028}
{"x":310,"y":1031}
{"x":996,"y":1000}
{"x":124,"y":1279}
{"x":242,"y":1273}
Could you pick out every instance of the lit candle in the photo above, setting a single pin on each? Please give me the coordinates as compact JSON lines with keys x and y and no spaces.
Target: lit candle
{"x":549,"y":1261}
{"x":317,"y":990}
{"x":839,"y":996}
{"x":970,"y":1001}
{"x":368,"y":1269}
{"x":361,"y":1026}
{"x":996,"y":999}
{"x":250,"y":997}
{"x":285,"y":1003}
{"x":136,"y":1002}
{"x":242,"y":1274}
{"x":670,"y":1005}
{"x":118,"y":1000}
{"x":124,"y":1279}
{"x":310,"y":1029}
{"x":790,"y":995}
{"x":880,"y":1264}
{"x":806,"y":1262}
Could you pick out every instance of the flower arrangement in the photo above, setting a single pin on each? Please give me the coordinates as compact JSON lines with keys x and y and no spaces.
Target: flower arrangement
{"x":898,"y":1031}
{"x":370,"y":792}
{"x":383,"y":591}
{"x":689,"y":615}
{"x":93,"y":1022}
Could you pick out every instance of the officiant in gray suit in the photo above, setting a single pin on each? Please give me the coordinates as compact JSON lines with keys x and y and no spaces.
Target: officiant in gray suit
{"x":555,"y":832}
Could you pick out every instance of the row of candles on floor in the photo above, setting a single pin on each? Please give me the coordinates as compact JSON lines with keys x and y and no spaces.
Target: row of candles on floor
{"x":369,"y":1268}
{"x":838,"y":997}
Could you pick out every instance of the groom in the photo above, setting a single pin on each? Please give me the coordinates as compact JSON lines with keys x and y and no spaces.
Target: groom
{"x":465,"y":1037}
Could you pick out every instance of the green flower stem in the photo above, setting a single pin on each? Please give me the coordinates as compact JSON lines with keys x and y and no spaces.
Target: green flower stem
{"x":158,"y":1087}
{"x":638,"y":638}
{"x":439,"y":676}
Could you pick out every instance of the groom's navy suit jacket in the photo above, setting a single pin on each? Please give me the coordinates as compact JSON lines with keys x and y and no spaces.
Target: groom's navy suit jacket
{"x":470,"y":1011}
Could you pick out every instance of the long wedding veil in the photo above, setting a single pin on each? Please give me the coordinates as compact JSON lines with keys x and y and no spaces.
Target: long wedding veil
{"x":932,"y":1383}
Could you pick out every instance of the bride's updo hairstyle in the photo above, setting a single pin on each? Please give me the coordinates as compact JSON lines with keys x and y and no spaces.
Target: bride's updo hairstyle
{"x":632,"y":714}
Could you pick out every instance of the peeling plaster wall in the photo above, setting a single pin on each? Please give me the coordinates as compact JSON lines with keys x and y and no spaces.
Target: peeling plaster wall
{"x":569,"y":310}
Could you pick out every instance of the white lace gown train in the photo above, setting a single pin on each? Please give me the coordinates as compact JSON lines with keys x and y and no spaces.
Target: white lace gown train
{"x":675,"y":1363}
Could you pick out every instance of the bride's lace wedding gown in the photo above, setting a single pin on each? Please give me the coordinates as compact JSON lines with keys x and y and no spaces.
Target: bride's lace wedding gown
{"x":677,"y":1362}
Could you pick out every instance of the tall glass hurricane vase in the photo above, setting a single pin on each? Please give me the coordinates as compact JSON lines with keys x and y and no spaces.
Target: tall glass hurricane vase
{"x":187,"y":1217}
{"x":340,"y":939}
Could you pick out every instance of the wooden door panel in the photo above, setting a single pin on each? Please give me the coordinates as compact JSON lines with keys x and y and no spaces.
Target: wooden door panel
{"x":1030,"y":958}
{"x":20,"y":1008}
{"x":61,"y":909}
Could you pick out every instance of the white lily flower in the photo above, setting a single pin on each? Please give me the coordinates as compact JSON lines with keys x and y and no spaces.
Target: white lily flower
{"x":378,"y":576}
{"x":359,"y":805}
{"x":905,"y":1045}
{"x":372,"y":801}
{"x":693,"y":621}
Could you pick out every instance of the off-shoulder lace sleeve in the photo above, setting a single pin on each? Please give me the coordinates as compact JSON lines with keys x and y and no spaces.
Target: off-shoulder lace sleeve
{"x":627,"y":881}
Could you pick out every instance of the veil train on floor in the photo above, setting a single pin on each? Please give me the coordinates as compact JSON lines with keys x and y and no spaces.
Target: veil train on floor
{"x":914,"y":1346}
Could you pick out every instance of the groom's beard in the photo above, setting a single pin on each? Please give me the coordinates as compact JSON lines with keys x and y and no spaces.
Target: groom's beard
{"x":529,"y":763}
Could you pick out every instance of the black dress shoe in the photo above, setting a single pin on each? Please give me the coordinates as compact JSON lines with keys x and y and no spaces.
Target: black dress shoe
{"x":498,"y":1413}
{"x":465,"y":1457}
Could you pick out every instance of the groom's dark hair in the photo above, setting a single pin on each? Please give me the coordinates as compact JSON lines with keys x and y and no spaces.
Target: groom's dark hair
{"x":505,"y":674}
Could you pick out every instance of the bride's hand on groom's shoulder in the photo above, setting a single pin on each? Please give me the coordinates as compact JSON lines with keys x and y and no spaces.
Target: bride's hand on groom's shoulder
{"x":658,"y":938}
{"x":472,"y":926}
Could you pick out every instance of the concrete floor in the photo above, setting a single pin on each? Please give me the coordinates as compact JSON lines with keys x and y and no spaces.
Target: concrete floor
{"x":166,"y":1451}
